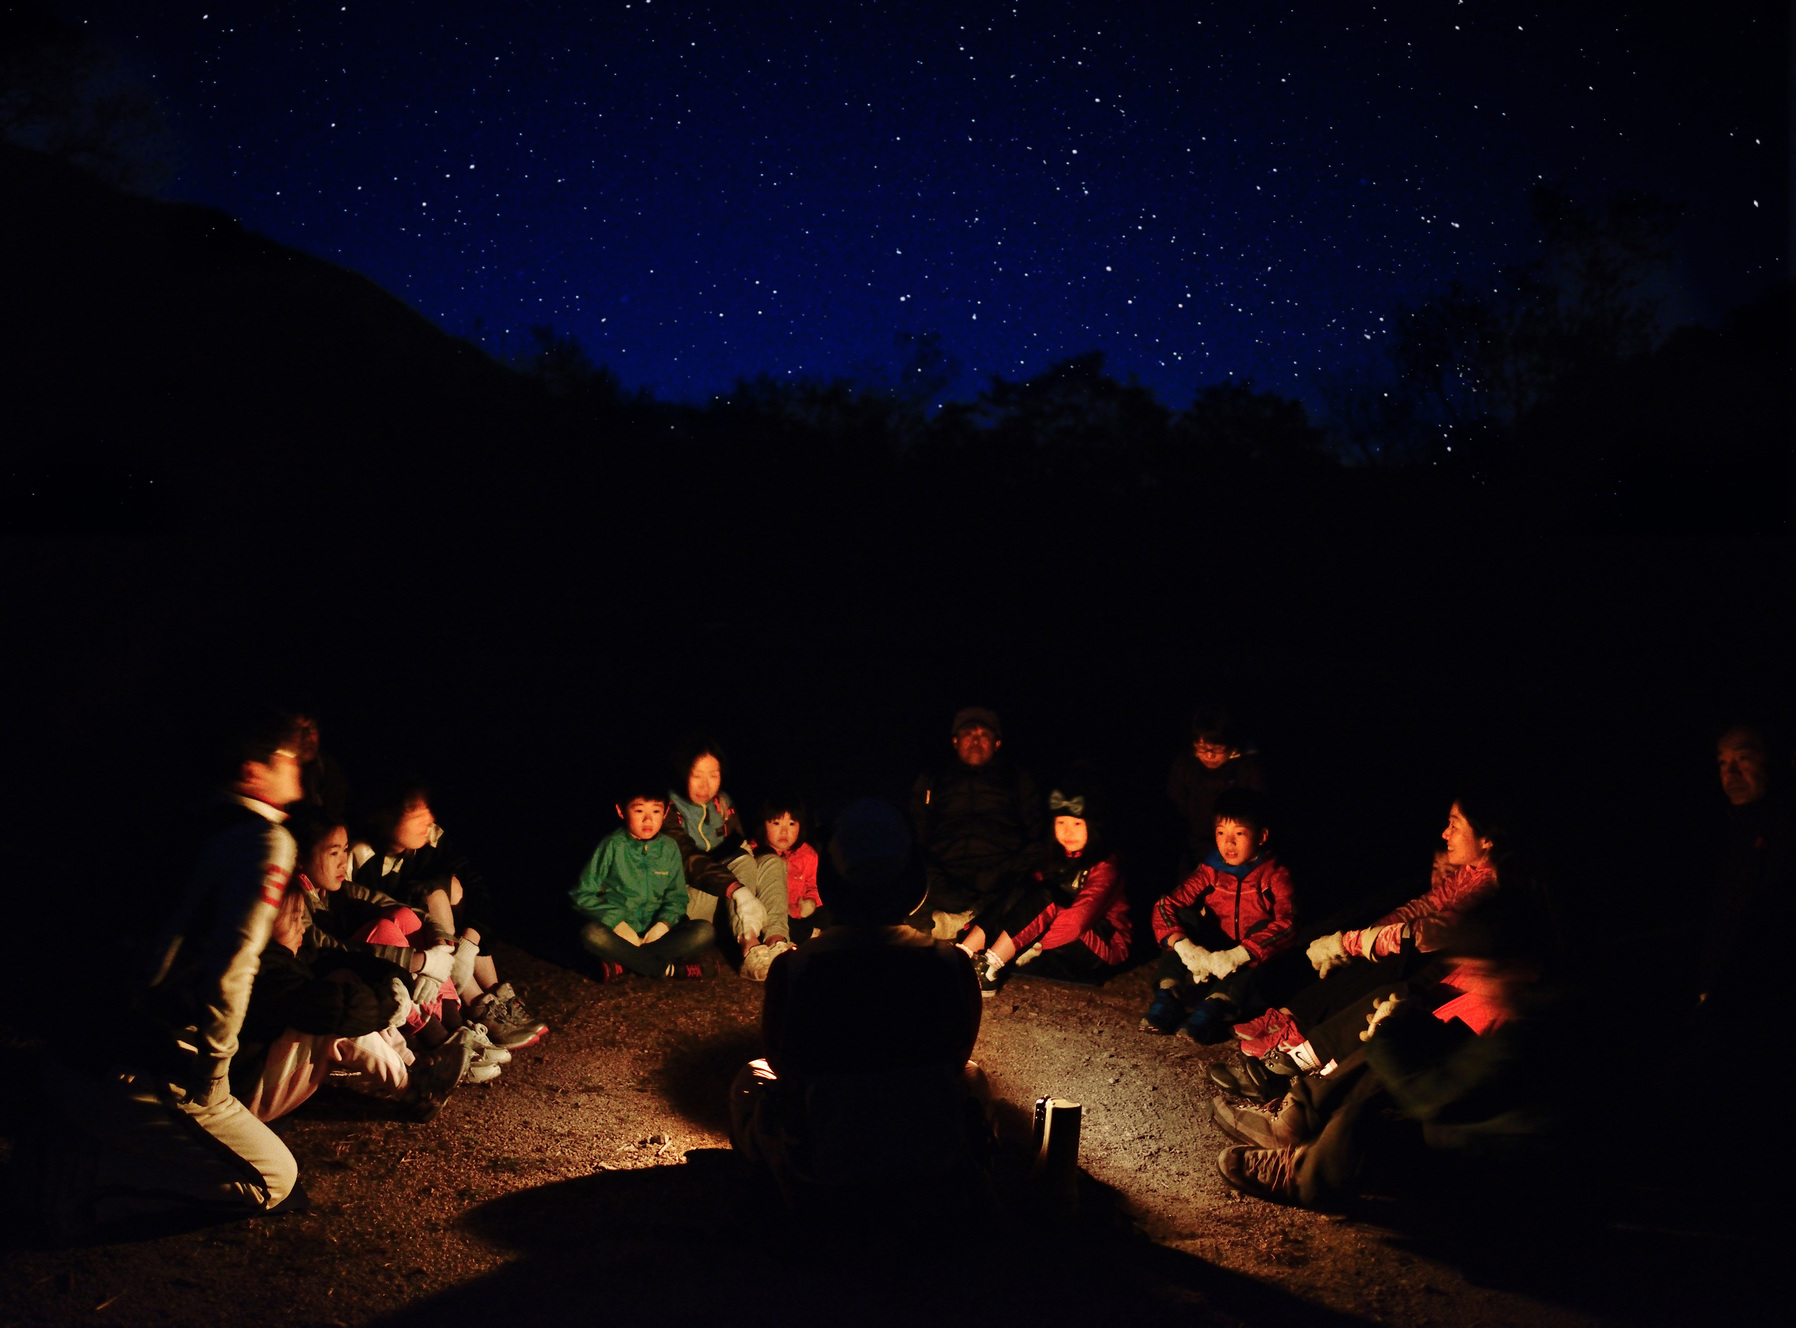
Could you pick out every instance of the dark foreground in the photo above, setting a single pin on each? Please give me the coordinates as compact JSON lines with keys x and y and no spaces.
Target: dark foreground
{"x":588,"y":1185}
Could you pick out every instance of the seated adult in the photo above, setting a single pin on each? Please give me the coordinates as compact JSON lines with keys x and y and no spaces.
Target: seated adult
{"x":867,"y":1084}
{"x":982,"y":829}
{"x":1371,"y":962}
{"x":1746,"y":906}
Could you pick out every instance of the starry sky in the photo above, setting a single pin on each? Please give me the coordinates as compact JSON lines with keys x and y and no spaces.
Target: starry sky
{"x":1201,"y":191}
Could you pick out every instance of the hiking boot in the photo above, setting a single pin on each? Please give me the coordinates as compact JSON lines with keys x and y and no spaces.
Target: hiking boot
{"x":1263,"y":1127}
{"x":434,"y":1077}
{"x":1266,"y":1173}
{"x":508,"y":1023}
{"x":486,"y":1051}
{"x":756,"y":960}
{"x":1164,"y":1014}
{"x":1209,"y":1023}
{"x":1247,"y":1078}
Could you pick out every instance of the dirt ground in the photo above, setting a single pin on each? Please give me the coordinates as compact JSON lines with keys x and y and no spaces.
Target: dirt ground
{"x":586,"y":1184}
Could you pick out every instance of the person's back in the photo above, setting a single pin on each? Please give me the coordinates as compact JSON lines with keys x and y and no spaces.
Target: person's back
{"x":868,"y":1027}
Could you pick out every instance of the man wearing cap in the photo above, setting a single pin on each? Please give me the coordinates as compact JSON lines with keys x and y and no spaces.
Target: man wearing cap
{"x":981,"y":825}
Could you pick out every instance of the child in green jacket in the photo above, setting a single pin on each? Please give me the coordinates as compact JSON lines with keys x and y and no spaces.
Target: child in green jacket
{"x":633,"y":897}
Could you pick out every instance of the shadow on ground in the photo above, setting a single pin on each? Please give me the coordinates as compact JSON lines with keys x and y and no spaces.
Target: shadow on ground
{"x":671,"y":1244}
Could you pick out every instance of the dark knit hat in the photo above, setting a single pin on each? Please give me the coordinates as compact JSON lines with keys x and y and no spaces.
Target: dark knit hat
{"x":976,"y":717}
{"x":870,"y":871}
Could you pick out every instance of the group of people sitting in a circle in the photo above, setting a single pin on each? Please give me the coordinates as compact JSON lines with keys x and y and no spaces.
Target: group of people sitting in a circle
{"x":303,"y":949}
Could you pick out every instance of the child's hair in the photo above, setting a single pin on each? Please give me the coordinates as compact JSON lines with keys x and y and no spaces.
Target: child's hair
{"x":1244,"y":806}
{"x":641,"y":784}
{"x":784,"y":803}
{"x":311,"y":826}
{"x":686,"y":755}
{"x":1213,"y":723}
{"x":253,"y":734}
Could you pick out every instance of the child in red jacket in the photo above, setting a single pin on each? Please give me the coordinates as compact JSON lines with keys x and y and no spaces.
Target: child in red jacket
{"x":786,"y":861}
{"x":1232,"y":914}
{"x":1070,"y":923}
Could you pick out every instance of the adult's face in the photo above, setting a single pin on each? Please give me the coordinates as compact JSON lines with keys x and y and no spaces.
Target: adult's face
{"x":704,"y":779}
{"x":1742,"y":763}
{"x":275,"y":782}
{"x":1464,"y":847}
{"x":975,"y":745}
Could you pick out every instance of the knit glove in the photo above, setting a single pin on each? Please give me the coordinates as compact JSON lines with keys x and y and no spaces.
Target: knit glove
{"x":461,"y":972}
{"x":749,"y":914}
{"x":439,"y":960}
{"x":402,"y":1005}
{"x":1326,"y":953}
{"x":1379,"y":1012}
{"x":1029,"y":956}
{"x":1193,"y":956}
{"x":1224,"y":962}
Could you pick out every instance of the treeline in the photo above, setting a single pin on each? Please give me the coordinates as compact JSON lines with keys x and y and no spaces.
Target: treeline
{"x":166,"y":368}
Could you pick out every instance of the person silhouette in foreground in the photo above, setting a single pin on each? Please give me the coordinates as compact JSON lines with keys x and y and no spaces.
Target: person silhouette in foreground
{"x":867,"y":1088}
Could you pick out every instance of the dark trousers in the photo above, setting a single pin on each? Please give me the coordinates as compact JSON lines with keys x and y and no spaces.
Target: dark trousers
{"x":1072,"y":962}
{"x":690,"y":936}
{"x":1240,"y":988}
{"x":802,"y":929}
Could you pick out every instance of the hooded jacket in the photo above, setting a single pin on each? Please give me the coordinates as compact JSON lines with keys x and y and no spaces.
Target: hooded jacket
{"x":1253,"y":903}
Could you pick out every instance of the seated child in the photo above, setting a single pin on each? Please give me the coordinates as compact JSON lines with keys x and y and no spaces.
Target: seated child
{"x":866,"y":1086}
{"x":1232,"y":914}
{"x":792,"y":864}
{"x":1071,"y":923}
{"x":421,"y":867}
{"x":633,"y":896}
{"x":300,"y":1026}
{"x":720,"y":863}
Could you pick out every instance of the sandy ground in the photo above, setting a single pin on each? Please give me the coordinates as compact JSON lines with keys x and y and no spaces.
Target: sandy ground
{"x":584,"y":1185}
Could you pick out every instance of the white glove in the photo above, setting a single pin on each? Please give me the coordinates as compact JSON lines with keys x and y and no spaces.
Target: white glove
{"x":439,"y":960}
{"x":749,"y":913}
{"x":1326,"y":953}
{"x":1224,"y":962}
{"x":461,"y":970}
{"x":1377,"y":1017}
{"x":402,"y":1005}
{"x":1194,"y":957}
{"x":1028,"y":956}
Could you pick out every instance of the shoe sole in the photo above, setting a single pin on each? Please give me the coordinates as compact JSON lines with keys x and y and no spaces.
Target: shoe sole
{"x":1148,"y":1026}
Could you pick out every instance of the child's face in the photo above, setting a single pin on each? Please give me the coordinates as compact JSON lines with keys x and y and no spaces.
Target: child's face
{"x":782,"y":833}
{"x":327,"y":865}
{"x":1237,"y":842}
{"x":1072,"y":833}
{"x":703,"y":780}
{"x":1211,"y":755}
{"x":642,"y":817}
{"x":412,"y":831}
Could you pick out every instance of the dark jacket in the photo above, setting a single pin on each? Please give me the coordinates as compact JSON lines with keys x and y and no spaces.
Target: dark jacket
{"x":1193,"y":788}
{"x":411,"y":876}
{"x":706,"y":869}
{"x":335,"y":916}
{"x":289,"y":993}
{"x":979,"y":826}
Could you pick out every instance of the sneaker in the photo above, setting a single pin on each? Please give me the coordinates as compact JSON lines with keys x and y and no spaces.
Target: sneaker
{"x":434,"y":1077}
{"x":476,"y":1073}
{"x":1268,"y":1173}
{"x":486,"y":1051}
{"x":1208,"y":1024}
{"x":988,"y":973}
{"x":1164,"y":1014}
{"x":756,"y":960}
{"x":610,"y":972}
{"x":1263,"y":1127}
{"x":690,"y":969}
{"x":1247,"y":1078}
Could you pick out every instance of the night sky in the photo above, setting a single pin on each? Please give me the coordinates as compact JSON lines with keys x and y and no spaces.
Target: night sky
{"x":1198,"y":190}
